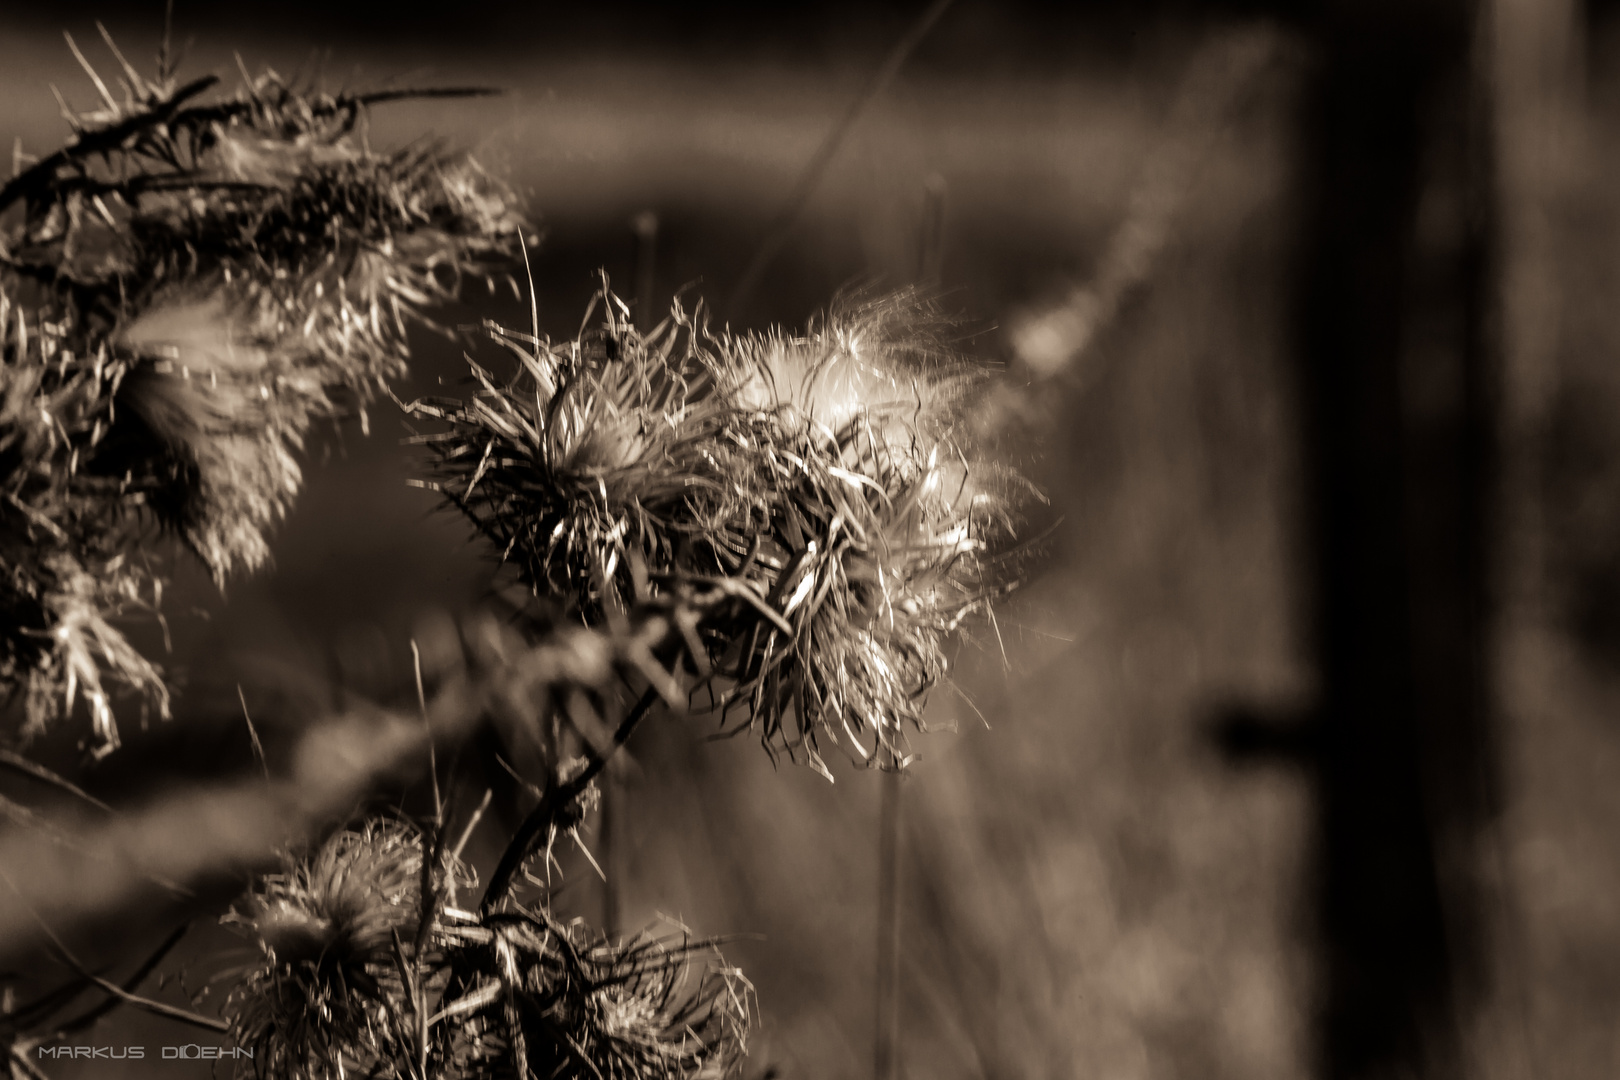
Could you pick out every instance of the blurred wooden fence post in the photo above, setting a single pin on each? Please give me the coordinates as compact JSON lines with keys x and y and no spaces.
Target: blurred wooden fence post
{"x":1400,"y":381}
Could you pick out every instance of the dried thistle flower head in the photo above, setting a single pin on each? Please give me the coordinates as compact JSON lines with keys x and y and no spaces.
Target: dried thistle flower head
{"x":821,"y":490}
{"x":344,"y":902}
{"x":186,"y":287}
{"x":65,"y":571}
{"x":656,"y":1009}
{"x":332,"y":932}
{"x":577,"y":1004}
{"x":348,"y":981}
{"x":884,"y":523}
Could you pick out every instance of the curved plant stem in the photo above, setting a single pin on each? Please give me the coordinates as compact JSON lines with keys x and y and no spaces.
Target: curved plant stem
{"x":556,"y":799}
{"x":159,"y":1008}
{"x":781,"y":226}
{"x":112,"y":1001}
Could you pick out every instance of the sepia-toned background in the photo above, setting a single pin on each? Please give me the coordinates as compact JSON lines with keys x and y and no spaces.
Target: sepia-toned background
{"x":1117,"y":854}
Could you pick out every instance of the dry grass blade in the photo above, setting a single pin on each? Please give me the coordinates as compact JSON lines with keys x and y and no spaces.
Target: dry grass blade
{"x":17,"y":763}
{"x":147,"y":966}
{"x":782,"y":225}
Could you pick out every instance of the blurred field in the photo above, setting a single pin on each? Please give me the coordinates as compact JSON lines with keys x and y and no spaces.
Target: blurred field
{"x":1088,"y":889}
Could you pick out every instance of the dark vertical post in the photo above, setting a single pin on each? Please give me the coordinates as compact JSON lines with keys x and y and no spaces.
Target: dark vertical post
{"x":1398,"y":387}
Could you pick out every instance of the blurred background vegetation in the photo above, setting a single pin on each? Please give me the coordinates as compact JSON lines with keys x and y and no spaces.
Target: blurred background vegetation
{"x":1113,"y":849}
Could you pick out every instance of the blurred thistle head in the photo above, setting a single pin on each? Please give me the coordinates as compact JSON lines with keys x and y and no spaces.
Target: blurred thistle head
{"x":827,"y":481}
{"x":660,"y":1009}
{"x":342,"y":903}
{"x":66,"y":571}
{"x":326,"y":993}
{"x":339,"y":984}
{"x":647,"y":1007}
{"x":225,"y":425}
{"x":189,"y":285}
{"x":259,"y":314}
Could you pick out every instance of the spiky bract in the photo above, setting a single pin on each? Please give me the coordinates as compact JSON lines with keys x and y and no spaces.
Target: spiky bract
{"x":821,"y":486}
{"x":185,"y":288}
{"x":605,"y":457}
